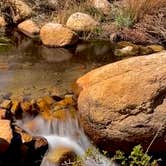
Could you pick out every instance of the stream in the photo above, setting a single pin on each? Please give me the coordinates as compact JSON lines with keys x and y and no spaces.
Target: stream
{"x":30,"y":70}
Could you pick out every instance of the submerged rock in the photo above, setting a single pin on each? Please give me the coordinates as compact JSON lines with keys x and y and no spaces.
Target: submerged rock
{"x":126,"y":49}
{"x":61,"y":155}
{"x":55,"y":35}
{"x":156,"y":48}
{"x":123,"y":104}
{"x":54,"y":55}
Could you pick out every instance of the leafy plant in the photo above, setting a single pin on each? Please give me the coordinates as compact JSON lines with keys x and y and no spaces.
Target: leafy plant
{"x":131,"y":11}
{"x":123,"y":17}
{"x":136,"y":158}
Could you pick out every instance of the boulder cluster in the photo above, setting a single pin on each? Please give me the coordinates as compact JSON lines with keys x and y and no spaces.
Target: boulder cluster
{"x":52,"y":34}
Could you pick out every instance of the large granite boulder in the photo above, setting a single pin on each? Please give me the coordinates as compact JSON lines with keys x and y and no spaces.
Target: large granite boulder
{"x":124,"y":104}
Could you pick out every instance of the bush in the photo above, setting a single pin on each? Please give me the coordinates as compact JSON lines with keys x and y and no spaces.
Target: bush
{"x":129,"y":12}
{"x":136,"y":158}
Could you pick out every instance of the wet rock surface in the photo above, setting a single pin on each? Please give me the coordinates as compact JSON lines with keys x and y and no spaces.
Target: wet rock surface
{"x":61,"y":155}
{"x":123,"y":104}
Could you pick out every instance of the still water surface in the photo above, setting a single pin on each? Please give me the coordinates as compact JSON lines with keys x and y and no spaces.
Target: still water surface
{"x":29,"y":69}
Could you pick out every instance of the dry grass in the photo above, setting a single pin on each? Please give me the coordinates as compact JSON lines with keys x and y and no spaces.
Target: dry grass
{"x":72,"y":6}
{"x":139,"y":8}
{"x":130,"y":12}
{"x":154,"y":24}
{"x":147,"y":19}
{"x":67,"y":9}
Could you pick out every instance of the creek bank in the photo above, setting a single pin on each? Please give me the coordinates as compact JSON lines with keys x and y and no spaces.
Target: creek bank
{"x":123,"y":104}
{"x":91,"y":19}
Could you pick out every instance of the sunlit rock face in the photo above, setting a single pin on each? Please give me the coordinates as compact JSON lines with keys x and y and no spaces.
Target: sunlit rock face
{"x":56,"y":35}
{"x":123,"y":104}
{"x":81,"y":22}
{"x":29,"y":28}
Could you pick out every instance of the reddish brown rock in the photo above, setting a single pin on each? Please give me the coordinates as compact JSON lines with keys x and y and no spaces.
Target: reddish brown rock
{"x":26,"y":106}
{"x":6,"y":104}
{"x":5,"y":130}
{"x":55,"y":35}
{"x":44,"y":108}
{"x":40,"y":142}
{"x":15,"y":107}
{"x":29,"y":28}
{"x":25,"y":137}
{"x":123,"y":104}
{"x":2,"y":113}
{"x":48,"y":99}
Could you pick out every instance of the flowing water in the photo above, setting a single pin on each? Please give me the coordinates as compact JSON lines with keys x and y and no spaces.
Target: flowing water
{"x":68,"y":134}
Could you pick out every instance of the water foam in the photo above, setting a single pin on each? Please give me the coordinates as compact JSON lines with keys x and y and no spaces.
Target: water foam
{"x":66,"y":133}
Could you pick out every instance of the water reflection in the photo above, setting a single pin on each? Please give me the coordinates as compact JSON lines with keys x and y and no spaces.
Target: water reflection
{"x":53,"y":55}
{"x":30,"y":68}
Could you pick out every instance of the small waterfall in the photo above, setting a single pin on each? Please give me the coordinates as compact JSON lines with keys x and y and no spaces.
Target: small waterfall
{"x":64,"y":133}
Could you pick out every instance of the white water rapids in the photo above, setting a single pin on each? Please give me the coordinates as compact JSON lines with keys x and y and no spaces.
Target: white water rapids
{"x":67,"y":133}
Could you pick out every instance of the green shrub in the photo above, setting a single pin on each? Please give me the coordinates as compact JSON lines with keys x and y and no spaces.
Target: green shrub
{"x":123,"y":17}
{"x":136,"y":158}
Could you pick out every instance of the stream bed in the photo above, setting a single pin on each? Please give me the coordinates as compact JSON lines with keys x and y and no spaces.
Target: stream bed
{"x":29,"y":69}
